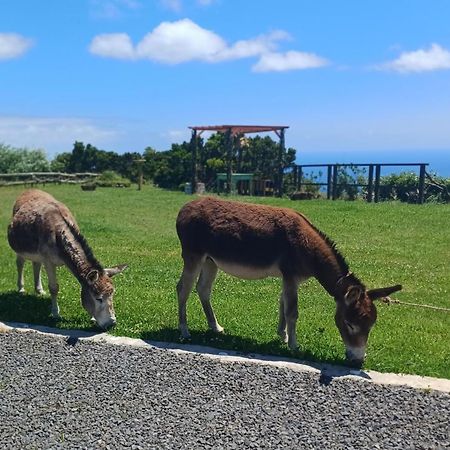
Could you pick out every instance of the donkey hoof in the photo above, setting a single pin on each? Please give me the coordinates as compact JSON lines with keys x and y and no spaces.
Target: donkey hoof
{"x":184,"y":334}
{"x":217,"y":329}
{"x":55,"y":315}
{"x":40,"y":292}
{"x":283,"y":336}
{"x":22,"y":291}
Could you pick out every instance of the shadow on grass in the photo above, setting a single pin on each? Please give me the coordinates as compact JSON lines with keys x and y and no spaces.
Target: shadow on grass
{"x":244,"y":347}
{"x":25,"y":308}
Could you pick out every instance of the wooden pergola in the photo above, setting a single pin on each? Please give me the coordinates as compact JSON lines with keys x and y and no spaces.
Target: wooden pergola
{"x":235,"y":130}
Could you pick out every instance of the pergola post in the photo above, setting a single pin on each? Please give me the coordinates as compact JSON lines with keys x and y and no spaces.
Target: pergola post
{"x":194,"y":161}
{"x":280,"y":164}
{"x":229,"y":145}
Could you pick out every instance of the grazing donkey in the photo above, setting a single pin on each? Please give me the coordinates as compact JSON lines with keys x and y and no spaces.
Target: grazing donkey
{"x":44,"y":231}
{"x":254,"y":241}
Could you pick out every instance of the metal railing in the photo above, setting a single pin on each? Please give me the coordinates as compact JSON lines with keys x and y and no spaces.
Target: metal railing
{"x":372,"y":185}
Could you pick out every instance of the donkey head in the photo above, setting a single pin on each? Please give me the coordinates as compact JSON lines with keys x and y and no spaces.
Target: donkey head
{"x":97,"y":293}
{"x":355,"y":315}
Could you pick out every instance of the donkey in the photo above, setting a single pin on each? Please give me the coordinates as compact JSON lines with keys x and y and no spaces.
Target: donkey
{"x":254,"y":241}
{"x":44,"y":231}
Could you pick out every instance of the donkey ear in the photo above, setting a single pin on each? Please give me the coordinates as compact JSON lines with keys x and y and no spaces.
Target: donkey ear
{"x":383,"y":292}
{"x":115,"y":270}
{"x":353,"y":294}
{"x":92,"y":276}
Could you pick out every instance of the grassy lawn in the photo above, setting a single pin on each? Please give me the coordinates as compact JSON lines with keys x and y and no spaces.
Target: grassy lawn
{"x":385,"y":243}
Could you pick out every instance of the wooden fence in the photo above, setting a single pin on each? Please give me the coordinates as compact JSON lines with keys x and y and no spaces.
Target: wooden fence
{"x":373,"y":183}
{"x":34,"y":178}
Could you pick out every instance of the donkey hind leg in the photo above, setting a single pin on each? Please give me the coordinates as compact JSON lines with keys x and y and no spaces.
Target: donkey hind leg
{"x":204,"y":286}
{"x":282,"y":321}
{"x":53,"y":287}
{"x":20,"y":262}
{"x":290,"y":303}
{"x":191,"y":270}
{"x":37,"y":278}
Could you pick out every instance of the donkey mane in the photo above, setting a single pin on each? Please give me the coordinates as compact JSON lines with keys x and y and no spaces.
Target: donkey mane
{"x":66,"y":242}
{"x":330,"y":243}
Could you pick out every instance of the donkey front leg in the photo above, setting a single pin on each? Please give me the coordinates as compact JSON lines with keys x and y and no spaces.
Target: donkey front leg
{"x":282,"y":321}
{"x":53,"y":287}
{"x":204,"y":286}
{"x":20,"y":262}
{"x":37,"y":278}
{"x":191,"y":270}
{"x":290,"y":303}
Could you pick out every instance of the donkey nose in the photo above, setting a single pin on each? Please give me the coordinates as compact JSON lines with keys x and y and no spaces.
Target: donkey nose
{"x":355,"y":358}
{"x":110,"y":324}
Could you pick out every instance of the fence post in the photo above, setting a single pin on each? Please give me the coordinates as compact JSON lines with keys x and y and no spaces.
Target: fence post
{"x":370,"y":185}
{"x":194,"y":161}
{"x":295,"y":177}
{"x":229,"y":146}
{"x":335,"y":179}
{"x":329,"y":178}
{"x":377,"y":182}
{"x":421,"y":184}
{"x":300,"y":178}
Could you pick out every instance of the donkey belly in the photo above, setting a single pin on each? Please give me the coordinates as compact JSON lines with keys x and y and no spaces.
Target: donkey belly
{"x":248,"y":272}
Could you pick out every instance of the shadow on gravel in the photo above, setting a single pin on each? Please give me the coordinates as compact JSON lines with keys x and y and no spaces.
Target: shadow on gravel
{"x":274,"y":350}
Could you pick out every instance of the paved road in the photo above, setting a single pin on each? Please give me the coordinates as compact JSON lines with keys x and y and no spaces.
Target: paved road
{"x":57,"y":392}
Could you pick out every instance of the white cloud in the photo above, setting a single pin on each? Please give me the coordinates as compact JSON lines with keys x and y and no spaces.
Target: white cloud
{"x":115,"y":45}
{"x":183,"y":40}
{"x":112,"y":9}
{"x":13,"y":45}
{"x":53,"y":134}
{"x":422,"y":60}
{"x":253,"y":47}
{"x":173,"y":5}
{"x":292,"y":60}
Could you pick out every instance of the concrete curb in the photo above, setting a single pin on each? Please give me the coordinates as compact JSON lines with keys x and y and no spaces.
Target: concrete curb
{"x":327,"y":372}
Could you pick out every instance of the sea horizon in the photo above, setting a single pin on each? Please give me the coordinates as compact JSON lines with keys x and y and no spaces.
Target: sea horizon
{"x":438,"y":160}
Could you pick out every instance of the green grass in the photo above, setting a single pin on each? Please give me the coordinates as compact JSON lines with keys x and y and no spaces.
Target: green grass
{"x":385,"y":243}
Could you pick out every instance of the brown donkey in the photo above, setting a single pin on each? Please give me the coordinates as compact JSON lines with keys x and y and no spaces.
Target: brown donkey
{"x":44,"y":231}
{"x":253,"y":241}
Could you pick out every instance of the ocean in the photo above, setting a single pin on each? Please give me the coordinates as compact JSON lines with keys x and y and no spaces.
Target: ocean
{"x":438,"y":160}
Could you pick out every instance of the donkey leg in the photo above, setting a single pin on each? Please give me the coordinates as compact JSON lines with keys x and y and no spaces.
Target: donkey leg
{"x":282,"y":321}
{"x":290,"y":310}
{"x":20,"y":262}
{"x":191,"y":270}
{"x":37,"y":278}
{"x":204,"y":286}
{"x":53,"y":287}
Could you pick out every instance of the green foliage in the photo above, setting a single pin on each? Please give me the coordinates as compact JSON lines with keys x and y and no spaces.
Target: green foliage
{"x":173,"y":167}
{"x":109,"y":178}
{"x":20,"y":160}
{"x":385,"y":244}
{"x":348,"y":178}
{"x":405,"y":187}
{"x":258,"y":155}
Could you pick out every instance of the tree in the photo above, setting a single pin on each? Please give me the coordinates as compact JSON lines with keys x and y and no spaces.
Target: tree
{"x":17,"y":160}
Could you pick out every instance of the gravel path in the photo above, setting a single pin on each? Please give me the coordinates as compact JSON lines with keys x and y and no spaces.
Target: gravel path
{"x":57,"y":392}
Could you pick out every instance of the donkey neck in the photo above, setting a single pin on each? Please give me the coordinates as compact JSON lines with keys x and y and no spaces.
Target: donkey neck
{"x":329,"y":265}
{"x":76,"y":253}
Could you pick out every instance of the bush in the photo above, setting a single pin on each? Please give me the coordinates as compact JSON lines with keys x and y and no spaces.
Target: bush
{"x":109,"y":178}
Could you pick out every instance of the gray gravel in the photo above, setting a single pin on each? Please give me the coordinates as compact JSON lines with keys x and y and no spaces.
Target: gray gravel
{"x":57,"y":392}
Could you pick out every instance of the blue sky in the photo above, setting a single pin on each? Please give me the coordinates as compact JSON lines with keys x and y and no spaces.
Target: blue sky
{"x":354,"y":80}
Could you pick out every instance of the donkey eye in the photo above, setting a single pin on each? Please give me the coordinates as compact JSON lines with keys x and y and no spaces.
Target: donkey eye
{"x":99,"y":299}
{"x":349,"y":325}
